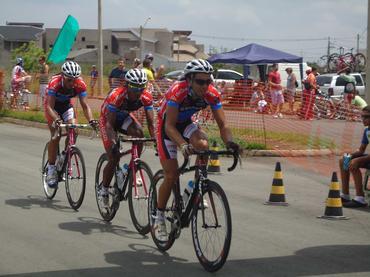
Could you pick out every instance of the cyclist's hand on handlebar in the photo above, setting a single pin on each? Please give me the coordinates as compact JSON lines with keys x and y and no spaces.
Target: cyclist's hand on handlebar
{"x":233,"y":146}
{"x":94,"y":124}
{"x":56,"y":123}
{"x":186,"y":149}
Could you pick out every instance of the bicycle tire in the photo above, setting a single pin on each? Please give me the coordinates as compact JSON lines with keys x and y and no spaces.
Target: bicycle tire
{"x":161,"y":245}
{"x":107,"y":215}
{"x":49,"y":192}
{"x":77,"y":160}
{"x":139,"y":216}
{"x":200,"y":231}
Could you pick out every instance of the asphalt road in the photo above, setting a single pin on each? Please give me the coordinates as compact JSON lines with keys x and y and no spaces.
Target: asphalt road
{"x":39,"y":237}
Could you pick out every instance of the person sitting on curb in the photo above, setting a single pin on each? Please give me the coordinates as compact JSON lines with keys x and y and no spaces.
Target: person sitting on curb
{"x":353,"y":164}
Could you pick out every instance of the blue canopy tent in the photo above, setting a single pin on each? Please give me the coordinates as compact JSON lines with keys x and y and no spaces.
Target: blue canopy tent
{"x":256,"y":54}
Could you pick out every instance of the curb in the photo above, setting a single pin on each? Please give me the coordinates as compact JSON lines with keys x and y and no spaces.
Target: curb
{"x":246,"y":153}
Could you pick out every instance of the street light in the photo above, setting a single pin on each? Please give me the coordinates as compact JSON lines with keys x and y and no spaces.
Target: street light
{"x":141,"y":36}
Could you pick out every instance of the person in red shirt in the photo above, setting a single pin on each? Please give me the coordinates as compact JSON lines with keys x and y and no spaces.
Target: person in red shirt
{"x":277,"y":97}
{"x":116,"y":117}
{"x":58,"y":108}
{"x":309,"y":94}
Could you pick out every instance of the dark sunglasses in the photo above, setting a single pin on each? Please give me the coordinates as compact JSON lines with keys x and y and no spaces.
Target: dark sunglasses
{"x":202,"y":82}
{"x":136,"y":89}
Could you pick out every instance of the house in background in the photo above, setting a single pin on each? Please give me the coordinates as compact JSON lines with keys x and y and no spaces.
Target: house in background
{"x":14,"y":35}
{"x":170,"y":48}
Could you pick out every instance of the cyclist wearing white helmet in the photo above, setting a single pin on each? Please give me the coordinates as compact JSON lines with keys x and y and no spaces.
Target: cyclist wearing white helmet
{"x":175,"y":128}
{"x":116,"y":116}
{"x":20,"y":79}
{"x":58,"y":108}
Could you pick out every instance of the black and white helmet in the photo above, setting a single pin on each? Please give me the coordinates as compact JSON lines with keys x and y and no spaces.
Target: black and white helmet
{"x":136,"y":76}
{"x":198,"y":66}
{"x":71,"y":69}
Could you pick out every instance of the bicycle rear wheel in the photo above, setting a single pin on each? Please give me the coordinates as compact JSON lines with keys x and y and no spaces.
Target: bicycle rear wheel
{"x":75,"y":178}
{"x":49,"y":192}
{"x":114,"y":201}
{"x":211,"y":227}
{"x":169,"y":213}
{"x":138,"y":197}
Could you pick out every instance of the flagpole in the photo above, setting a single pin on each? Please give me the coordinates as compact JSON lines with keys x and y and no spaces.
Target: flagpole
{"x":100,"y":49}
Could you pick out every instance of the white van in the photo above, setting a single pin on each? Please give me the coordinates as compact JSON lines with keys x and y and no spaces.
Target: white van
{"x":254,"y":72}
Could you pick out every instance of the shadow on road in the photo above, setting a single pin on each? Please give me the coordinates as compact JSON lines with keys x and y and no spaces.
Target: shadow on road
{"x":144,"y":260}
{"x":90,"y":225}
{"x":38,"y":201}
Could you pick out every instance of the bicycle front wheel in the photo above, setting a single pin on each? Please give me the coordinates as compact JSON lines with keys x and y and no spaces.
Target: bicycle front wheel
{"x":138,"y":197}
{"x":75,"y":178}
{"x":211,"y":227}
{"x":169,"y":213}
{"x":107,"y":213}
{"x":49,"y":192}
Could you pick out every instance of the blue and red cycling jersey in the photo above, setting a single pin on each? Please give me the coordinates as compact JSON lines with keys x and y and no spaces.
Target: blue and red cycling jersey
{"x":63,"y":96}
{"x":181,"y":96}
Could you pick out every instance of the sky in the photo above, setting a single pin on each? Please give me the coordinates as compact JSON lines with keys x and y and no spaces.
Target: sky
{"x":295,"y":26}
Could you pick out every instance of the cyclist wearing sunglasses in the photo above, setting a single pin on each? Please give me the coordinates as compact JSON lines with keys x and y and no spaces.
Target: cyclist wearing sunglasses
{"x":175,"y":127}
{"x":116,"y":117}
{"x":58,"y":108}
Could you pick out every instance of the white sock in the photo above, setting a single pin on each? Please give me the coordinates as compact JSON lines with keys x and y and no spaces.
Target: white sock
{"x":51,"y":168}
{"x":345,"y":196}
{"x":160,"y":215}
{"x":360,"y":199}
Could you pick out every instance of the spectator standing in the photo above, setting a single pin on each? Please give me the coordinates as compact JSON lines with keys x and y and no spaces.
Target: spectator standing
{"x":93,"y":78}
{"x":43,"y":76}
{"x":309,"y":94}
{"x":351,"y":164}
{"x":152,"y":84}
{"x":136,"y":63}
{"x":277,"y":97}
{"x":117,"y":75}
{"x":291,"y":88}
{"x":150,"y":57}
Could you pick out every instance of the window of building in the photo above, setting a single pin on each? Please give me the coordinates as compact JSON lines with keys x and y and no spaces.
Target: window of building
{"x":83,"y":38}
{"x":90,"y":46}
{"x":106,"y":47}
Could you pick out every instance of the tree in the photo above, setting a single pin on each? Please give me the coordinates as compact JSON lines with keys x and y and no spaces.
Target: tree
{"x":30,"y":53}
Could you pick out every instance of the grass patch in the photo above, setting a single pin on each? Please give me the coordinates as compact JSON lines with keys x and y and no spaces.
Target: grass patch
{"x":247,"y":138}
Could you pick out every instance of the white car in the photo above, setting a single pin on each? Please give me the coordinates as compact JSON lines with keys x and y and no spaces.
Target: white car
{"x":227,"y":75}
{"x":332,"y":84}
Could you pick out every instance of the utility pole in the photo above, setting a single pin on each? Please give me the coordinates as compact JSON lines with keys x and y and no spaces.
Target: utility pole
{"x":328,"y":55}
{"x":358,"y":44}
{"x":100,"y":50}
{"x":141,"y":38}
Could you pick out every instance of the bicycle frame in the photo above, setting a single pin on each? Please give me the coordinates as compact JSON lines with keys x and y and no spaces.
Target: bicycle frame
{"x":135,"y":158}
{"x":71,"y":134}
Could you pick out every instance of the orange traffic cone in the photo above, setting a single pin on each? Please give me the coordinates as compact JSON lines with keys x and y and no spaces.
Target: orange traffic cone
{"x":277,"y":195}
{"x":214,"y":162}
{"x":333,"y":209}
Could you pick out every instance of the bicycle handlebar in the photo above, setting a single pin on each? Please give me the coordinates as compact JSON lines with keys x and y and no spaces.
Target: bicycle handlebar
{"x":68,"y":125}
{"x":235,"y":155}
{"x":134,"y":139}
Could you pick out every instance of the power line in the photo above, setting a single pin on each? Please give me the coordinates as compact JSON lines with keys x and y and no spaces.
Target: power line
{"x":266,"y":39}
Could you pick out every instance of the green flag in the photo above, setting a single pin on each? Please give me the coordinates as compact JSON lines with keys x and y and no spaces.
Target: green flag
{"x":64,"y":41}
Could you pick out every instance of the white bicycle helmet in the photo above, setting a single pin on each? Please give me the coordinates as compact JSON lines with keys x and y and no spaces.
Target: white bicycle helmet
{"x":198,"y":66}
{"x":19,"y":61}
{"x":71,"y":69}
{"x":136,"y":76}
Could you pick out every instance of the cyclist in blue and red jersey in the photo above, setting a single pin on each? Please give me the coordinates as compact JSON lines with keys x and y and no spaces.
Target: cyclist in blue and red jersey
{"x":116,"y":117}
{"x":176,"y":129}
{"x":58,"y":108}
